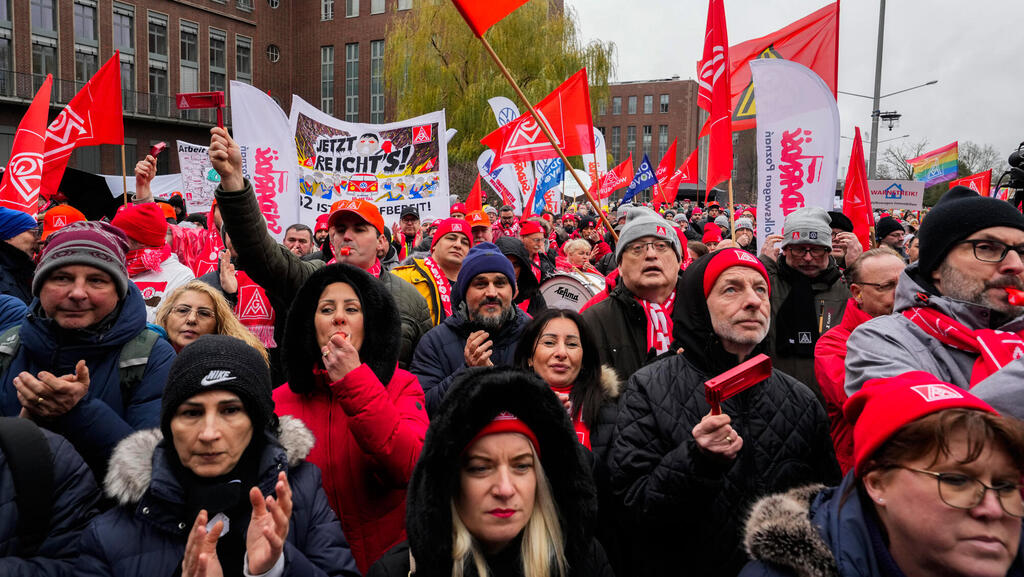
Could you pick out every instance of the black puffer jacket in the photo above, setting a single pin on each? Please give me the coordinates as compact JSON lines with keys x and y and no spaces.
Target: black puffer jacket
{"x":688,"y":507}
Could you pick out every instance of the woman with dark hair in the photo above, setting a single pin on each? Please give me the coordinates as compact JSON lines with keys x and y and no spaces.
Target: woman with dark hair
{"x":935,"y":490}
{"x":501,"y":487}
{"x":341,"y":346}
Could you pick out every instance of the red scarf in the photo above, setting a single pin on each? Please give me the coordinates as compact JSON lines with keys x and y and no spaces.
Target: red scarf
{"x":374,"y":269}
{"x":535,"y":266}
{"x":582,"y":429}
{"x":444,"y":288}
{"x":254,"y":310}
{"x":141,"y":260}
{"x":659,"y":323}
{"x":994,"y":348}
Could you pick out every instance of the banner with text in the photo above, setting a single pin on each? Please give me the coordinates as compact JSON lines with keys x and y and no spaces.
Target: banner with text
{"x":392,"y":165}
{"x":897,"y":194}
{"x":198,"y":178}
{"x":797,"y":142}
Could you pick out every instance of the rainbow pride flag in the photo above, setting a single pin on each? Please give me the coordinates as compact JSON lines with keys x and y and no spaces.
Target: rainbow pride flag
{"x":937,"y":166}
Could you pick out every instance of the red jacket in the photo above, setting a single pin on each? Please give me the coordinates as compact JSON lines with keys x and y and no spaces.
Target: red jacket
{"x":830,"y":369}
{"x":368,"y":439}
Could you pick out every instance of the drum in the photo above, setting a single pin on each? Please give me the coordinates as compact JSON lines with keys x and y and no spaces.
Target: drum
{"x":568,"y":290}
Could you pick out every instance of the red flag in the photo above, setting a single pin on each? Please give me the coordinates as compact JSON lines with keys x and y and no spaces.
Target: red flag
{"x":94,"y":116}
{"x":980,"y":182}
{"x":856,"y":196}
{"x":812,"y":41}
{"x":475,"y":199}
{"x":664,"y":172}
{"x":19,"y":189}
{"x":482,"y":14}
{"x":616,"y":178}
{"x":713,"y":94}
{"x":566,"y":112}
{"x":687,"y":172}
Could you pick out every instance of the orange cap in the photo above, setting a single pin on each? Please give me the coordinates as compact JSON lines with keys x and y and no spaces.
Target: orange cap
{"x":478,"y":218}
{"x":168,"y":211}
{"x":58,"y":217}
{"x":364,"y":209}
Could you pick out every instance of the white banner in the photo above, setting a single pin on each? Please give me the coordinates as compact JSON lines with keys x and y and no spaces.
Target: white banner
{"x":797,"y":142}
{"x":502,"y":179}
{"x":897,"y":194}
{"x":162,"y":185}
{"x":392,"y":165}
{"x":520,"y":177}
{"x":262,"y":131}
{"x":198,"y":178}
{"x":596,"y":164}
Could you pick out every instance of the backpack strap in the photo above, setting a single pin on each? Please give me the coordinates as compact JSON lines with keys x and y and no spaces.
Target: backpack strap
{"x":134,"y":359}
{"x":10,"y":341}
{"x":31,"y":465}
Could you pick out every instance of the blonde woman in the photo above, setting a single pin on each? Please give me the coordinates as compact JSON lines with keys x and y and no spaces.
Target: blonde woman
{"x":197,"y":309}
{"x":577,"y":257}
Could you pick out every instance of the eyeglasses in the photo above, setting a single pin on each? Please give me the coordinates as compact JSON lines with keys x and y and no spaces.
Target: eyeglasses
{"x":964,"y":492}
{"x":185,"y":311}
{"x":993,"y":250}
{"x":880,"y":287}
{"x":800,"y":251}
{"x":638,"y":248}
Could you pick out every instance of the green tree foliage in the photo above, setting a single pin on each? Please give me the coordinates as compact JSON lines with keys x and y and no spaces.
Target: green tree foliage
{"x":437,"y":63}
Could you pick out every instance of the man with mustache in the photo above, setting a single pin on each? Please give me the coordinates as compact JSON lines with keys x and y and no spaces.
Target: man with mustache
{"x":953,"y":315}
{"x":482,"y":331}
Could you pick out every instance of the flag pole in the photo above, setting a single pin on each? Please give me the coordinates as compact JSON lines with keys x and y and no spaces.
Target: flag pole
{"x":547,"y":133}
{"x":124,"y":176}
{"x":732,"y":214}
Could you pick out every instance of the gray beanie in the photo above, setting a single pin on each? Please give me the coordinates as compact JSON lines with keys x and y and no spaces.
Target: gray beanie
{"x":744,"y":223}
{"x":623,"y":211}
{"x":807,"y":225}
{"x":722,"y":221}
{"x":641,"y":222}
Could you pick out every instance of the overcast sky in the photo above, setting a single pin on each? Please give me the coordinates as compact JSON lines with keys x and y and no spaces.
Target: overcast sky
{"x":973,"y":48}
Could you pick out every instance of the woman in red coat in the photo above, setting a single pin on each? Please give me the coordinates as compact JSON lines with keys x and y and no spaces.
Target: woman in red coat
{"x":368,"y":415}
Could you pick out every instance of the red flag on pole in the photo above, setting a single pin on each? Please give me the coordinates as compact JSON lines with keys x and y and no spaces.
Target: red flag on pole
{"x":19,"y":189}
{"x":94,"y":116}
{"x":980,"y":182}
{"x":664,"y":172}
{"x":475,"y":200}
{"x":482,"y":14}
{"x":567,"y":113}
{"x":687,"y":172}
{"x":856,"y":196}
{"x":713,"y":94}
{"x":616,"y":178}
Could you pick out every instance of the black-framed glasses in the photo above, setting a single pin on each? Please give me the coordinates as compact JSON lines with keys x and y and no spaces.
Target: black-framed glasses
{"x":965,"y":492}
{"x":987,"y":250}
{"x":638,"y":248}
{"x":879,"y":286}
{"x":800,"y":251}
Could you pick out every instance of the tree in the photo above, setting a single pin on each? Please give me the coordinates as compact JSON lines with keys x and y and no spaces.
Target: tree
{"x":439,"y":63}
{"x":974,"y":158}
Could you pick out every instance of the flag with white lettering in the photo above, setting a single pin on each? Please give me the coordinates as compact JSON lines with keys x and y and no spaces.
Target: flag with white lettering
{"x":642,"y":180}
{"x":19,"y":189}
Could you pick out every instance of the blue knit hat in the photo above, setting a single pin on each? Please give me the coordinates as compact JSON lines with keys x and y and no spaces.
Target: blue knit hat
{"x":14,"y":222}
{"x":483,"y":258}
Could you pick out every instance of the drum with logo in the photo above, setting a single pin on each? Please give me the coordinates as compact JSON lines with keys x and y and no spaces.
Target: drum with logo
{"x":567,"y":290}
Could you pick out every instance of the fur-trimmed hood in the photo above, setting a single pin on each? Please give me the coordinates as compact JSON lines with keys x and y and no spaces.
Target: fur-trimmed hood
{"x":611,"y":385}
{"x":780,"y":532}
{"x":473,"y":401}
{"x":131,"y":464}
{"x":381,"y":326}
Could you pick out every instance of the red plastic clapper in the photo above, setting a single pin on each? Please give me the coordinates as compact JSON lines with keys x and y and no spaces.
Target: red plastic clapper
{"x":736,"y":380}
{"x":1016,"y":296}
{"x":157,"y":148}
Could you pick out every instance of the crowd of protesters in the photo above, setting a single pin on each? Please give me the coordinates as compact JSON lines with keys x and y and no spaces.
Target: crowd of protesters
{"x":183,"y":394}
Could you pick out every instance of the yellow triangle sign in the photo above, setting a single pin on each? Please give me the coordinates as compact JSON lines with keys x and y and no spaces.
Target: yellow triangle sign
{"x":746,"y":108}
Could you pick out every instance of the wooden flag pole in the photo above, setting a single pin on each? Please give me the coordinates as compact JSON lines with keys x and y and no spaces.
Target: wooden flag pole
{"x":124,"y":176}
{"x":551,"y":137}
{"x":732,"y":213}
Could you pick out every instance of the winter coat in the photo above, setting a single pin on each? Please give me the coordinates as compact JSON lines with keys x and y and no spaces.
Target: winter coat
{"x":667,"y":482}
{"x":440,"y":356}
{"x":830,"y":368}
{"x":12,"y":311}
{"x":75,"y":497}
{"x":16,"y":272}
{"x":892,"y":345}
{"x":812,"y":532}
{"x":104,"y":416}
{"x":620,"y":325}
{"x":281,"y":273}
{"x":369,"y":425}
{"x":145,"y":534}
{"x":476,"y":398}
{"x":417,"y":274}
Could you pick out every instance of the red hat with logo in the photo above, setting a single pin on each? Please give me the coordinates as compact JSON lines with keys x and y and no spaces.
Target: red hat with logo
{"x":728,"y":258}
{"x":478,"y":218}
{"x":506,"y":422}
{"x":883,"y":406}
{"x":711,"y":233}
{"x":530,"y":227}
{"x":321,"y":223}
{"x":459,"y":207}
{"x":143,"y":223}
{"x":450,"y":225}
{"x":364,"y":209}
{"x":58,"y":217}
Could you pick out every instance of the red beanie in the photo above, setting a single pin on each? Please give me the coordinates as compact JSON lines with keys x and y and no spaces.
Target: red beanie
{"x":452,"y":225}
{"x":321,"y":222}
{"x":143,"y":223}
{"x":458,"y":207}
{"x":728,"y":258}
{"x":506,"y":422}
{"x":884,"y":406}
{"x":530,"y":227}
{"x":712,"y":233}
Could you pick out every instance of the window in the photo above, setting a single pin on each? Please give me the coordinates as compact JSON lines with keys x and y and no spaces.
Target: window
{"x":157,"y":36}
{"x":617,"y":105}
{"x":648,"y":134}
{"x":158,"y":100}
{"x":352,"y":82}
{"x":273,"y":53}
{"x":663,"y":141}
{"x":190,"y":43}
{"x":87,"y":158}
{"x":44,"y":16}
{"x":245,"y":5}
{"x":5,"y":11}
{"x":615,"y":142}
{"x":85,"y":22}
{"x":6,"y":143}
{"x":44,"y":61}
{"x":632,"y":105}
{"x":631,"y":140}
{"x":243,"y":59}
{"x":351,"y":8}
{"x":124,"y":28}
{"x":602,"y":107}
{"x":218,"y":63}
{"x":86,"y":64}
{"x":664,"y":103}
{"x":127,"y":83}
{"x":327,"y":9}
{"x":189,"y":64}
{"x":376,"y":6}
{"x":405,"y":4}
{"x":6,"y":75}
{"x":377,"y":81}
{"x":327,"y":79}
{"x":648,"y":104}
{"x":273,"y":3}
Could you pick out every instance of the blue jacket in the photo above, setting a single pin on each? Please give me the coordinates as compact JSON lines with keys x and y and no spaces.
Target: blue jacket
{"x":12,"y":311}
{"x":440,"y":355}
{"x":146,"y":533}
{"x":102,"y":418}
{"x":74,"y":504}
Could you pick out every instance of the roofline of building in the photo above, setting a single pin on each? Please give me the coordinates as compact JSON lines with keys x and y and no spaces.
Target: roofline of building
{"x":675,"y":78}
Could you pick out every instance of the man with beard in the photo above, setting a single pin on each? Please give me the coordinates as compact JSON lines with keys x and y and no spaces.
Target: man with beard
{"x":954,"y":319}
{"x":483,"y":331}
{"x":671,"y":460}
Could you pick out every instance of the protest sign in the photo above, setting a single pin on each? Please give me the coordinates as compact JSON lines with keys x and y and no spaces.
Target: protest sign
{"x":198,"y":178}
{"x":897,"y":194}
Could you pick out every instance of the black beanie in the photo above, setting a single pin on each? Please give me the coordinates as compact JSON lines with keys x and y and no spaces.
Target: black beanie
{"x":960,"y":213}
{"x":886,"y":226}
{"x":840,"y":221}
{"x":219,"y":363}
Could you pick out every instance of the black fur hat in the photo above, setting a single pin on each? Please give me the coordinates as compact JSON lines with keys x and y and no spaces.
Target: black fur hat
{"x":381,"y":326}
{"x":475,"y":398}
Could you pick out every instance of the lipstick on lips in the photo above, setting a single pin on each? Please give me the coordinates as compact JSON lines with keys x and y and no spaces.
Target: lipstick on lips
{"x":502,"y":513}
